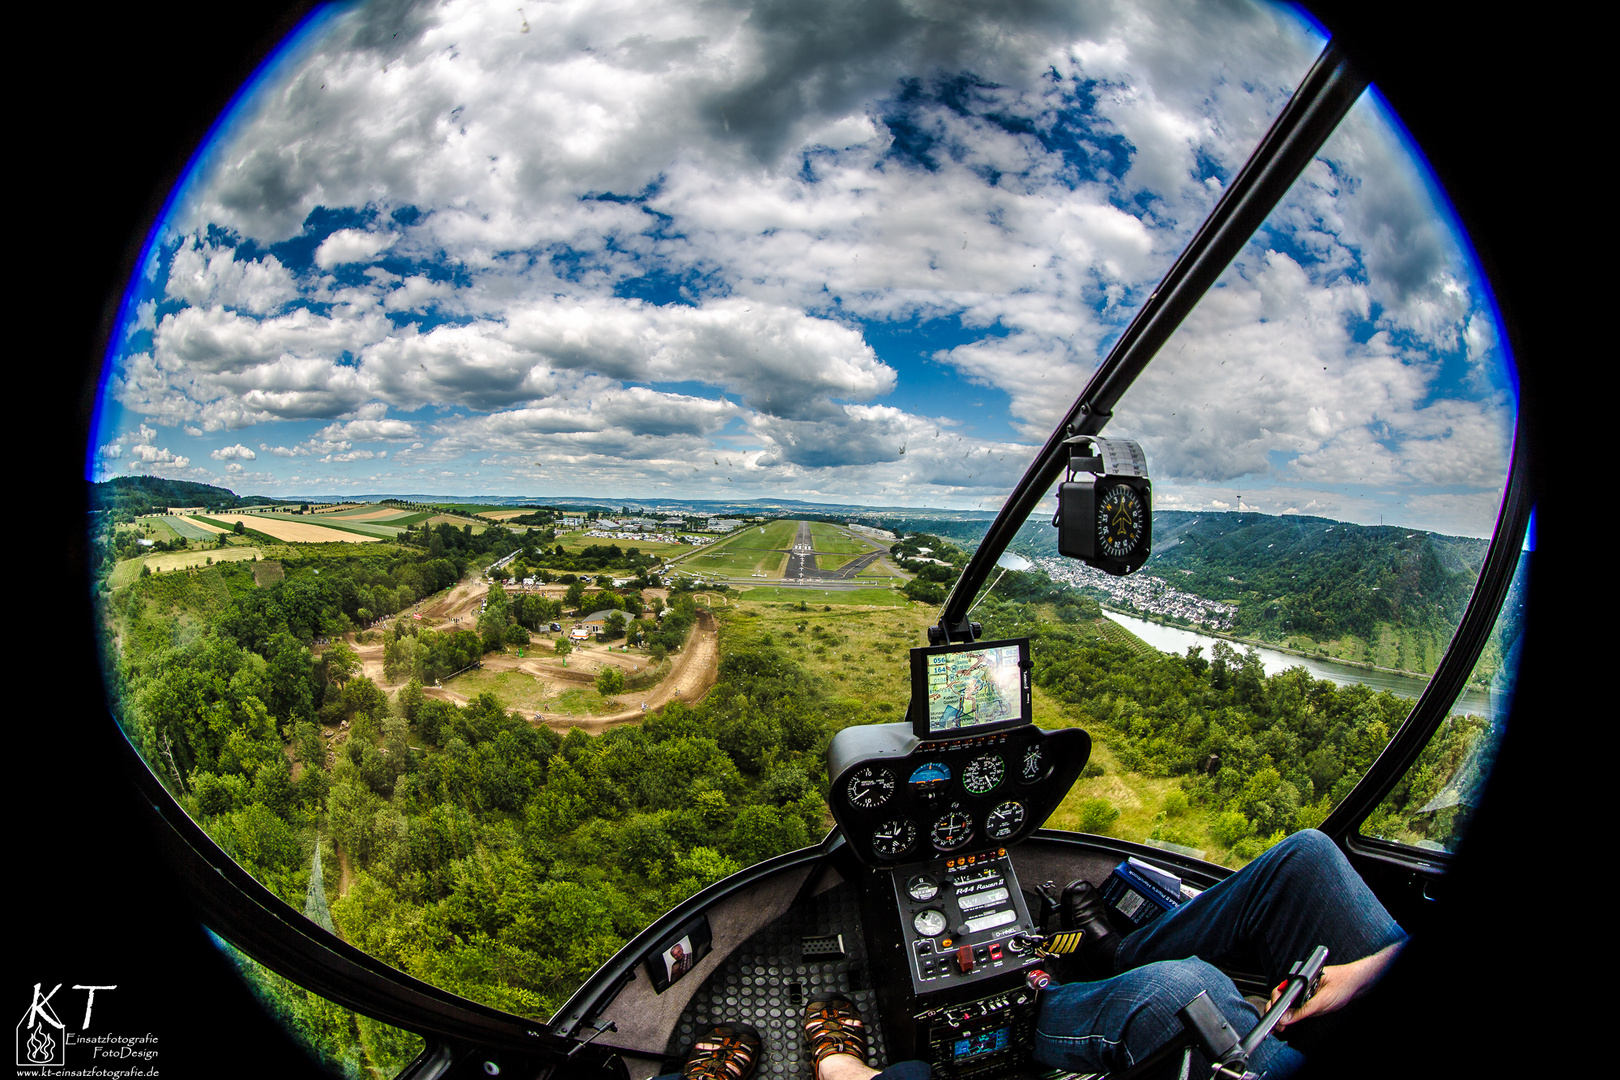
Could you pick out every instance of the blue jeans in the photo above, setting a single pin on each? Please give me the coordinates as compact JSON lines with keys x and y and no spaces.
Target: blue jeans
{"x":1300,"y":894}
{"x":900,"y":1070}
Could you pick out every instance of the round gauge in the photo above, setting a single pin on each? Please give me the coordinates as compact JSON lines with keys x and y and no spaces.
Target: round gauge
{"x":869,"y":788}
{"x":952,"y":831}
{"x":893,"y":839}
{"x":929,"y":923}
{"x":1029,"y":769}
{"x":983,"y":774}
{"x":1004,"y":820}
{"x":922,"y":887}
{"x":1121,"y":521}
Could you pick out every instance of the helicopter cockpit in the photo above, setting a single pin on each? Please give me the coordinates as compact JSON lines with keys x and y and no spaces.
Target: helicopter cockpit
{"x":924,"y":901}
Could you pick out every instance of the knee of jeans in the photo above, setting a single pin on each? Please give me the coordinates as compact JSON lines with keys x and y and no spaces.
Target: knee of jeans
{"x":1307,"y":845}
{"x":1183,"y":980}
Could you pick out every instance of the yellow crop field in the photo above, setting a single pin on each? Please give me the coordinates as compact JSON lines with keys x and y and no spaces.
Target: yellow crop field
{"x":380,"y":514}
{"x":296,"y":532}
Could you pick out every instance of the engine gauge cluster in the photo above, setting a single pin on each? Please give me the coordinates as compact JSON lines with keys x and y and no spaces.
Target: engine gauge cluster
{"x":899,"y":799}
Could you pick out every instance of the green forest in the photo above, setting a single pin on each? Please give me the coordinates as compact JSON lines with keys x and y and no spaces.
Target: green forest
{"x":505,"y":862}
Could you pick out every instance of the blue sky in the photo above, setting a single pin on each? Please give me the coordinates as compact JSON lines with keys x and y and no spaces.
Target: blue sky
{"x":863,"y":254}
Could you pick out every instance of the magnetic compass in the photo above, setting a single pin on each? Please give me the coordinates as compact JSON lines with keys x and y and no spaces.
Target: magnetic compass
{"x":1121,"y":521}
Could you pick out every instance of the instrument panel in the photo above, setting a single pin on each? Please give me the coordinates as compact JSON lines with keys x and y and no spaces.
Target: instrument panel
{"x":901,"y":800}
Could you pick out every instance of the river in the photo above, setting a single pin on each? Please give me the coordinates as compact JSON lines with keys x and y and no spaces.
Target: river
{"x":1173,"y":639}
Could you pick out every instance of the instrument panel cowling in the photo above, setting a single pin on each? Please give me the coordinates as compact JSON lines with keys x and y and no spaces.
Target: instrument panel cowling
{"x":898,"y":799}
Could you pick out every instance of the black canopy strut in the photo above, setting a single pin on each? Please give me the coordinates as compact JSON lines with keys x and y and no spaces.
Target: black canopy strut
{"x":1310,"y":116}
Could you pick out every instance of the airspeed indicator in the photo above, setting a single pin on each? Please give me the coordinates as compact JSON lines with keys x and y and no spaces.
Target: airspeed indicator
{"x":869,"y":788}
{"x":983,"y":774}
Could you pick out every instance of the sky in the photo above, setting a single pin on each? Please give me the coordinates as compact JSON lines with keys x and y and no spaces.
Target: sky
{"x":858,"y":252}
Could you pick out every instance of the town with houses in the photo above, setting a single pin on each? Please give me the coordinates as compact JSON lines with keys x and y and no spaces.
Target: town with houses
{"x":1143,"y":593}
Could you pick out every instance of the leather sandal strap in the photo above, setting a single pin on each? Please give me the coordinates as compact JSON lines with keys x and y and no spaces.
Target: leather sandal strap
{"x":834,"y":1028}
{"x":722,"y":1054}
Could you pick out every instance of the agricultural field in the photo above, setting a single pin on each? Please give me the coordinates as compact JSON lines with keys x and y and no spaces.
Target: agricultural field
{"x":295,"y":530}
{"x":457,"y":521}
{"x":577,"y":541}
{"x":381,"y":515}
{"x":153,"y":528}
{"x":192,"y":529}
{"x":169,"y":561}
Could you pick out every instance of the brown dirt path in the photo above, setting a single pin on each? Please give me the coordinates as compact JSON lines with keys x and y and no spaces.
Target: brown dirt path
{"x":692,"y":672}
{"x":695,"y":670}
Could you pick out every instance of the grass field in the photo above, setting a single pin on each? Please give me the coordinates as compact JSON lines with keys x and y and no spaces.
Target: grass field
{"x":190,"y":529}
{"x":165,"y":562}
{"x":516,"y":689}
{"x":755,"y":551}
{"x":773,"y":534}
{"x":578,"y":541}
{"x":863,"y":654}
{"x":857,"y":651}
{"x":458,"y":522}
{"x":153,"y":528}
{"x":833,"y":540}
{"x":782,"y":594}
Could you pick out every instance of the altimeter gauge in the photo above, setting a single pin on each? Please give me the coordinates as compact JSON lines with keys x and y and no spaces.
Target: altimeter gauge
{"x":893,"y":839}
{"x":869,"y":788}
{"x":983,"y":774}
{"x":1004,"y":820}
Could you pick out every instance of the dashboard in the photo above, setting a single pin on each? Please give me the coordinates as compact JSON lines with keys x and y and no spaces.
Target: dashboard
{"x":899,"y":799}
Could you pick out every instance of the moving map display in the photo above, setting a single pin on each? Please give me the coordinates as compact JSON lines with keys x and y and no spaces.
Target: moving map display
{"x":959,"y":689}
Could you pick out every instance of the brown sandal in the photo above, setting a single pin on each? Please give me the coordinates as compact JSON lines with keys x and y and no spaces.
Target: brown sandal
{"x":832,"y":1025}
{"x":726,"y":1052}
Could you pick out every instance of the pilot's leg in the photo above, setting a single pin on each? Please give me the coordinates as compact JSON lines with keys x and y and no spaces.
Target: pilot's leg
{"x":1110,"y":1025}
{"x":1299,"y":894}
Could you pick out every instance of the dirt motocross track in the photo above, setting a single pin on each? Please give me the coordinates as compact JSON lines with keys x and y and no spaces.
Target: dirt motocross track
{"x":693,"y":670}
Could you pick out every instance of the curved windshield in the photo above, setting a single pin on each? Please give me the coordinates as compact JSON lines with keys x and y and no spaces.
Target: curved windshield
{"x":1329,"y":435}
{"x":530,"y":437}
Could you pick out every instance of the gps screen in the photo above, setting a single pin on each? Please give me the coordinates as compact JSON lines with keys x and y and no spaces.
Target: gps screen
{"x":959,"y":689}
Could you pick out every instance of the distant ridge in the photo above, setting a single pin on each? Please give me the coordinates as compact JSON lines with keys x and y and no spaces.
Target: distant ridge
{"x":124,"y":492}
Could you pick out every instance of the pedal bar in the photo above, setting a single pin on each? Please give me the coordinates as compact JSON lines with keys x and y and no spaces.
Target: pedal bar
{"x":1301,"y":977}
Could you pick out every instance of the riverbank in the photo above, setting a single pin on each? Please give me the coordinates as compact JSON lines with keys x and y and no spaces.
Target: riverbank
{"x":1259,"y":643}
